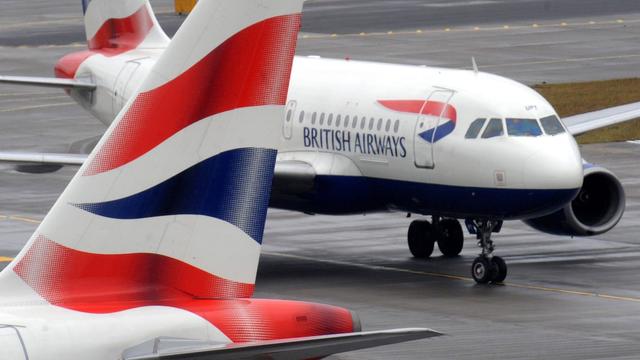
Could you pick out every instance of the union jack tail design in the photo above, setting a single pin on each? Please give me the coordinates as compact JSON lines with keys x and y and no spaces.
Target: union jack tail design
{"x":173,"y":199}
{"x":115,"y":26}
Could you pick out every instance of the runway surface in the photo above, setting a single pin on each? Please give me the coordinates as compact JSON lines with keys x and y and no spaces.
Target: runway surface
{"x":565,"y":298}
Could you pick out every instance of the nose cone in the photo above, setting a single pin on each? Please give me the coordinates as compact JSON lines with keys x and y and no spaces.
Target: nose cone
{"x":554,"y":173}
{"x":556,"y":164}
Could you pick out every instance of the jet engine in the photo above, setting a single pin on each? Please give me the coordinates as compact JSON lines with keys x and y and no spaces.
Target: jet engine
{"x":596,"y":209}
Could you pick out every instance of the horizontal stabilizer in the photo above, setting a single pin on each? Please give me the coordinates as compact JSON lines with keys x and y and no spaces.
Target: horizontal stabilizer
{"x":301,"y":348}
{"x":294,"y":176}
{"x":579,"y":124}
{"x":42,"y":158}
{"x":48,"y":82}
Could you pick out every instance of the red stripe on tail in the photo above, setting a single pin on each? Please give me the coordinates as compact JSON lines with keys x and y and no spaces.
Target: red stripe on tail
{"x":120,"y":35}
{"x":107,"y":283}
{"x":243,"y":71}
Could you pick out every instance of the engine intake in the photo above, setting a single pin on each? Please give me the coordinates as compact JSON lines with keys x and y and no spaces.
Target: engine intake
{"x":596,"y":209}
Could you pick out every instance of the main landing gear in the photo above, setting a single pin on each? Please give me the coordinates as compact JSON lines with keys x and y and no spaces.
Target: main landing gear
{"x":446,"y":232}
{"x":486,"y":267}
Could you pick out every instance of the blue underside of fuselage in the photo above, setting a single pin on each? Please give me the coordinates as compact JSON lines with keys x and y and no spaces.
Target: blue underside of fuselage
{"x":336,"y":195}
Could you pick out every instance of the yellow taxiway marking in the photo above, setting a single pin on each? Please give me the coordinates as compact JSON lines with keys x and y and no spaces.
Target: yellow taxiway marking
{"x":559,"y":61}
{"x":20,"y":218}
{"x":24,"y":219}
{"x":473,"y":29}
{"x":457,"y":277}
{"x":5,"y":259}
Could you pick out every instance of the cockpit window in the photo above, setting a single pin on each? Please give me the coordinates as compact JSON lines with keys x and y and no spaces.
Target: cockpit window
{"x":475,"y":128}
{"x":494,"y":128}
{"x":552,"y":125}
{"x":523,"y":127}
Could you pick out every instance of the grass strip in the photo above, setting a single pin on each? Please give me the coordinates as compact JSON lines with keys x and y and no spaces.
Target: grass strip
{"x":577,"y":98}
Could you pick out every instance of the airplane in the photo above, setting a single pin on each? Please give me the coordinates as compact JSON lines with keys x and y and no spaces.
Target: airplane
{"x":139,"y":261}
{"x":361,"y":137}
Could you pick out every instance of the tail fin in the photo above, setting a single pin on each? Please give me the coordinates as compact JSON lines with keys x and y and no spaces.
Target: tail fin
{"x":121,"y":25}
{"x":173,"y":199}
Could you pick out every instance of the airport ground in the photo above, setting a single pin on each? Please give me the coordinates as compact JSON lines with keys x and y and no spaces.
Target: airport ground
{"x":564,"y":298}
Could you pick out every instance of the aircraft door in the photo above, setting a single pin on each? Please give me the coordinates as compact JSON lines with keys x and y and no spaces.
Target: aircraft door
{"x":428,"y":121}
{"x":289,"y":116}
{"x":120,"y":87}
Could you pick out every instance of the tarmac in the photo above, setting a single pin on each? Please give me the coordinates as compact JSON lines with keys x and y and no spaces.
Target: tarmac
{"x":565,"y":298}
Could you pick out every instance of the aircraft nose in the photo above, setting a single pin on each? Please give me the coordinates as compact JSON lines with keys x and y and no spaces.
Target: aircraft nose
{"x":555,"y":166}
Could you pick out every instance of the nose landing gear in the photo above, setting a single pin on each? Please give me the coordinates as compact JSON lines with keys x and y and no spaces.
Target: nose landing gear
{"x":448,"y":234}
{"x":486,"y":267}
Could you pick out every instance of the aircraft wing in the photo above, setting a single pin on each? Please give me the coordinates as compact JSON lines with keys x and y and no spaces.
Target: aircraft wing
{"x":582,"y":123}
{"x":48,"y":82}
{"x":290,"y":349}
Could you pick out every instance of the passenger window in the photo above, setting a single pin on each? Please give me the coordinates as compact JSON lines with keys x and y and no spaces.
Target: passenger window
{"x":475,"y":128}
{"x":379,"y":127}
{"x":313,"y":118}
{"x":396,"y":126}
{"x":371,"y":122}
{"x":330,"y":119}
{"x":321,"y":119}
{"x":523,"y":127}
{"x":363,"y":122}
{"x":301,"y":117}
{"x":338,"y":118}
{"x":494,"y":129}
{"x":346,"y":121}
{"x":388,"y":126}
{"x":354,"y":122}
{"x":552,"y":125}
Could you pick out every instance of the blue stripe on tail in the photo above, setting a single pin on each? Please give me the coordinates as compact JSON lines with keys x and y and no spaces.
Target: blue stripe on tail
{"x":233,"y":186}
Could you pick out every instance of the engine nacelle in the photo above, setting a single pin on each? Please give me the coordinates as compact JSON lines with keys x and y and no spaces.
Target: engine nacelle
{"x":597,"y":208}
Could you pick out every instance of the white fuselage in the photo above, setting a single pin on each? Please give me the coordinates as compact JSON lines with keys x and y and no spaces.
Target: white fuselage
{"x":380,"y":161}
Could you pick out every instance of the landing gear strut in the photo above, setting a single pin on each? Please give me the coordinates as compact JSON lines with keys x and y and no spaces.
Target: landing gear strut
{"x":486,"y":267}
{"x":446,"y":232}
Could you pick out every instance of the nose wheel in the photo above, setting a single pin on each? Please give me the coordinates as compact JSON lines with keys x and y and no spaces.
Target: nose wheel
{"x":486,"y":268}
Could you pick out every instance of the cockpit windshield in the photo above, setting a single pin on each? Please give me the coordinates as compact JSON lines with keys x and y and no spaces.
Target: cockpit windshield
{"x":475,"y":128}
{"x":493,"y":129}
{"x":523,"y":127}
{"x":515,"y":127}
{"x":552,"y":125}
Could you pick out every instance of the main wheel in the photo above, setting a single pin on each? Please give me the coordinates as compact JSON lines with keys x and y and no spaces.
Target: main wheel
{"x":451,"y":237}
{"x":420,"y":239}
{"x":500,"y":267}
{"x":482,"y":270}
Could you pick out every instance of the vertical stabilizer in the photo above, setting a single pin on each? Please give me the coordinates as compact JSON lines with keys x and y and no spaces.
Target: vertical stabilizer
{"x":173,"y":199}
{"x":121,"y":25}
